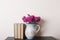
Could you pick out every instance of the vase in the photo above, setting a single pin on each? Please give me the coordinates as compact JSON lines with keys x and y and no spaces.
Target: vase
{"x":31,"y":30}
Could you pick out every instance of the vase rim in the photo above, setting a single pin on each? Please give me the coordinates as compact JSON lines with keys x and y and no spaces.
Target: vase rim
{"x":31,"y":23}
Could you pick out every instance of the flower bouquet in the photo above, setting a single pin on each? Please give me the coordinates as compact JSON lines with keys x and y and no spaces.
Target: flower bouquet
{"x":31,"y":19}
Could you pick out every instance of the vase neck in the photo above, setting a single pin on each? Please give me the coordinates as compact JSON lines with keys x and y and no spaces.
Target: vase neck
{"x":31,"y":25}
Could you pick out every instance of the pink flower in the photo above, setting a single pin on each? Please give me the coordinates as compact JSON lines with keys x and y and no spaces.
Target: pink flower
{"x":31,"y":19}
{"x":37,"y":19}
{"x":24,"y":19}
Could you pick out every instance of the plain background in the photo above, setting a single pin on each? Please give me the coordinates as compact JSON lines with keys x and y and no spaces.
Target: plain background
{"x":12,"y":11}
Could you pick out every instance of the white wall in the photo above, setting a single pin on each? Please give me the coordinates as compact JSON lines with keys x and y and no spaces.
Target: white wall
{"x":11,"y":11}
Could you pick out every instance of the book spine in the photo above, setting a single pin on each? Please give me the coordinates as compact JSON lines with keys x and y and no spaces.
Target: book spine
{"x":15,"y":30}
{"x":19,"y":31}
{"x":22,"y":31}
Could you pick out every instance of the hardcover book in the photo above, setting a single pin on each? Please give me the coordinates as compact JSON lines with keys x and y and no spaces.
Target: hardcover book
{"x":15,"y":31}
{"x":19,"y":30}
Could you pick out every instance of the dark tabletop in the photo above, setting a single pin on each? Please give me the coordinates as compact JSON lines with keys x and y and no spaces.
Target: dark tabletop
{"x":36,"y":38}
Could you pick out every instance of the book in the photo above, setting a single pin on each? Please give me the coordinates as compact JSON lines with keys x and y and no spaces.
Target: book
{"x":24,"y":27}
{"x":19,"y":31}
{"x":22,"y":31}
{"x":15,"y":31}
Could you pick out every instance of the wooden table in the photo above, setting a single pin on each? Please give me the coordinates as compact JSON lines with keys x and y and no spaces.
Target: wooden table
{"x":36,"y":38}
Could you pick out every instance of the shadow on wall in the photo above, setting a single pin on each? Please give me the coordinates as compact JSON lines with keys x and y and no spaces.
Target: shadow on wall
{"x":41,"y":23}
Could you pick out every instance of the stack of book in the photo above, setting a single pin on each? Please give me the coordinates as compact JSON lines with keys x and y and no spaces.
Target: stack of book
{"x":19,"y":30}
